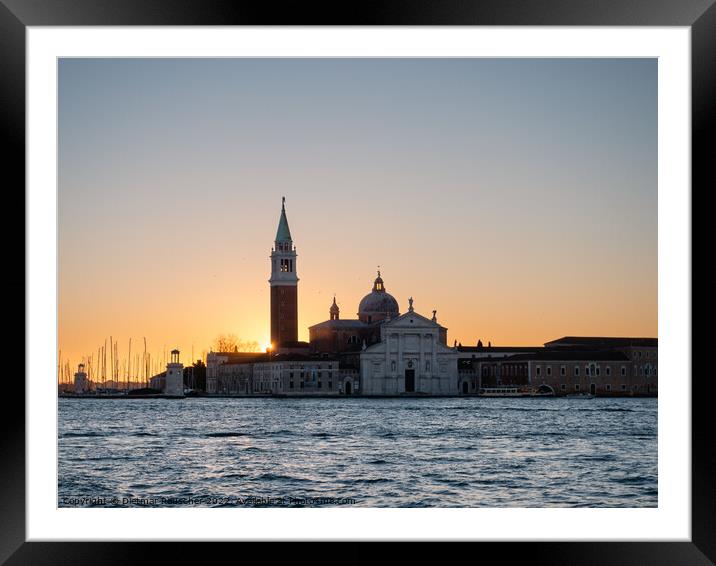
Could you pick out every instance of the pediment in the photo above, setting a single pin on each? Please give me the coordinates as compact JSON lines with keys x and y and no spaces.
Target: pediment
{"x":412,"y":320}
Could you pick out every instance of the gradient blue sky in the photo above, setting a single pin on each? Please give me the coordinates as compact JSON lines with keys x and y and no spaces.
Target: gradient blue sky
{"x":518,"y":197}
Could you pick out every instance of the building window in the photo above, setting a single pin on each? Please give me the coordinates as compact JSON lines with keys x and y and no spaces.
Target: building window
{"x":609,"y":370}
{"x":392,"y":366}
{"x":623,"y":371}
{"x":563,"y":387}
{"x":586,"y":370}
{"x":549,"y":370}
{"x":330,"y":384}
{"x":539,"y":370}
{"x":576,"y":370}
{"x":427,"y":365}
{"x":562,"y":370}
{"x":597,"y":370}
{"x":302,"y":385}
{"x":608,"y":387}
{"x":290,"y":384}
{"x":623,"y":387}
{"x":576,"y":386}
{"x":319,"y":384}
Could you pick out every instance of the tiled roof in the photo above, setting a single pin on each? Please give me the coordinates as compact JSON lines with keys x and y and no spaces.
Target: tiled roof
{"x":342,"y":323}
{"x":498,"y":349}
{"x":603,"y":341}
{"x":564,"y":355}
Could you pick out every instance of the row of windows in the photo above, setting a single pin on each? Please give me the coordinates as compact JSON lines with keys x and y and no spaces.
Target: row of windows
{"x":595,"y":370}
{"x":319,"y":384}
{"x":607,"y":387}
{"x":308,"y":374}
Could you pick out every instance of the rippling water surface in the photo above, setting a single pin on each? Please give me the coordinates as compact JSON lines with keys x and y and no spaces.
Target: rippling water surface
{"x":457,"y":452}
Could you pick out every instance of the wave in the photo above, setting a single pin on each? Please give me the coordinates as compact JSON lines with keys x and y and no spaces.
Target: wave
{"x":224,"y":434}
{"x":82,"y":434}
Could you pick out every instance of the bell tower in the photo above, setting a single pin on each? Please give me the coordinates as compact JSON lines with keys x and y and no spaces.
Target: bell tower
{"x":284,"y":285}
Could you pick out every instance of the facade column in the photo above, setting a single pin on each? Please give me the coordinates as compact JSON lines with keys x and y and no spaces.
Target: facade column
{"x":422,"y":376}
{"x":401,"y":369}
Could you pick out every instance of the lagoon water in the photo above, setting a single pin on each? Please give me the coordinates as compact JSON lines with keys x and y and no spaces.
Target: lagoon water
{"x":455,"y":452}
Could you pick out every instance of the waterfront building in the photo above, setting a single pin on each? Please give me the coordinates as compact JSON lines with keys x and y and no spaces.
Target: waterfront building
{"x":292,"y":374}
{"x":174,"y":379}
{"x":230,"y":373}
{"x":411,"y":358}
{"x":81,"y":382}
{"x":573,"y":368}
{"x":276,"y":374}
{"x":643,"y":353}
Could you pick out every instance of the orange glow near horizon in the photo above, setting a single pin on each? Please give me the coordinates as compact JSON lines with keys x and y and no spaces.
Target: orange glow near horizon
{"x":189,"y":312}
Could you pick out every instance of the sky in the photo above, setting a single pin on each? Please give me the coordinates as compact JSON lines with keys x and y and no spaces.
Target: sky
{"x":517,"y":197}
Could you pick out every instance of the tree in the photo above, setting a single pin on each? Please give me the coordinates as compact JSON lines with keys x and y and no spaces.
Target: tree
{"x":230,"y":343}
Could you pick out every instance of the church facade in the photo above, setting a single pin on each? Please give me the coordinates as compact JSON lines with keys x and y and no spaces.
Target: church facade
{"x":410,"y":359}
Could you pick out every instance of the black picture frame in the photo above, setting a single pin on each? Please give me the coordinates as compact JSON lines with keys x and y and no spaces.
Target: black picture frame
{"x":699,"y":15}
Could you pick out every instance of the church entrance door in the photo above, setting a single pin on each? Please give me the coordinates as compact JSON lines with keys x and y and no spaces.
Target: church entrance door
{"x":464,"y":387}
{"x":348,"y":387}
{"x":409,"y":380}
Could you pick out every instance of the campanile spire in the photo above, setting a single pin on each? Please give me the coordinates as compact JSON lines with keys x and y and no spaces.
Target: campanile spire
{"x":284,"y":285}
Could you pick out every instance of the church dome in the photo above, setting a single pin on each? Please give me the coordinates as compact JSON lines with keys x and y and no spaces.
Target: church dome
{"x":378,"y":304}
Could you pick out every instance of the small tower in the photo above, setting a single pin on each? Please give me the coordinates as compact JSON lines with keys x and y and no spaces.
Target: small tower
{"x":334,"y":311}
{"x":174,"y":382}
{"x":81,"y":385}
{"x":284,"y":285}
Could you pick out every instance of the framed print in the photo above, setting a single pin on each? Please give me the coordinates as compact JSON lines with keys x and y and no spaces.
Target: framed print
{"x":400,"y":276}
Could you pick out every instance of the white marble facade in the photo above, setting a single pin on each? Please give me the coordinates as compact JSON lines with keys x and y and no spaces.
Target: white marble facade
{"x":410,"y":359}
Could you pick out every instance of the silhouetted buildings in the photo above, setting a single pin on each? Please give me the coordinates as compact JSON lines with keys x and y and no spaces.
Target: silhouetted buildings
{"x":383,"y":353}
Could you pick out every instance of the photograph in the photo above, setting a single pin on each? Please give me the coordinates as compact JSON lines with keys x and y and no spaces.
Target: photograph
{"x":357,"y":282}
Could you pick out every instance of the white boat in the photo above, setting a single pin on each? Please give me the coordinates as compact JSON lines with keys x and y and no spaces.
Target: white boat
{"x":500,"y":392}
